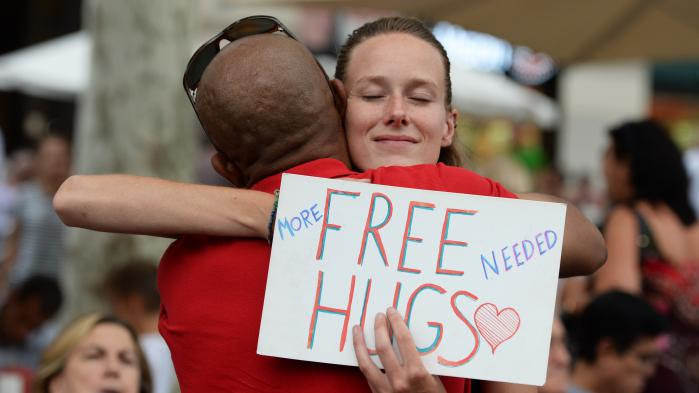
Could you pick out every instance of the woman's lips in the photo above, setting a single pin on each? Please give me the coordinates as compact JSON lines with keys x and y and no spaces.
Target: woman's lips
{"x":394,"y":138}
{"x":389,"y":146}
{"x":394,"y":142}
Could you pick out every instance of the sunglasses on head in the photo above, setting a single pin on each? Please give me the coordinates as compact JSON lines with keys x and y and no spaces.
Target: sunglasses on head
{"x":252,"y":25}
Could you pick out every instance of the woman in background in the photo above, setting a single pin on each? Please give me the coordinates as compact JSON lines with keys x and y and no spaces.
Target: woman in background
{"x":652,"y":237}
{"x":94,"y":353}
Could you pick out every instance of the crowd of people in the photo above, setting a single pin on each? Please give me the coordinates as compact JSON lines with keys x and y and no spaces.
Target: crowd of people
{"x":627,"y":324}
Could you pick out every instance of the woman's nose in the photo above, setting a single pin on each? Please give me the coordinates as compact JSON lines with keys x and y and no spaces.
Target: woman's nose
{"x":395,"y":112}
{"x":112,"y":366}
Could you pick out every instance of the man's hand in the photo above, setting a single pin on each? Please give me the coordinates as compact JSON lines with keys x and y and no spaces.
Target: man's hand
{"x":408,"y":375}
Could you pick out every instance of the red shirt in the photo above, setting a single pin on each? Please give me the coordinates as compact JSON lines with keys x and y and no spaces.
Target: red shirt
{"x":212,"y":291}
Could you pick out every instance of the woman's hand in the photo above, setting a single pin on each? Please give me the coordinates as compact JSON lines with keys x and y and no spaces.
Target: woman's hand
{"x":408,"y":375}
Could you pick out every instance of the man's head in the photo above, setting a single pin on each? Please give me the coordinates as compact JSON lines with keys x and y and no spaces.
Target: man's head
{"x":52,"y":161}
{"x":618,"y":333}
{"x":27,"y":308}
{"x":132,"y":291}
{"x":267,"y":106}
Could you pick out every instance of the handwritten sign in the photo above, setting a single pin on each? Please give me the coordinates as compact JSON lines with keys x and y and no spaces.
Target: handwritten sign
{"x":474,"y":277}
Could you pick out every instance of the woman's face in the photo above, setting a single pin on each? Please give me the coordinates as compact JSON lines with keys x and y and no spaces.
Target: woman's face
{"x":396,"y":112}
{"x":104,"y":361}
{"x":618,"y":176}
{"x":558,"y":372}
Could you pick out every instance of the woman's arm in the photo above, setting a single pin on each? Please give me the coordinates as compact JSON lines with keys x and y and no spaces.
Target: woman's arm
{"x":151,"y":206}
{"x":622,"y":270}
{"x":584,"y":250}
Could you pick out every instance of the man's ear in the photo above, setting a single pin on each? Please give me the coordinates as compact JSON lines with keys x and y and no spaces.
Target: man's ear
{"x":606,"y":347}
{"x":228,"y":170}
{"x":340,"y":96}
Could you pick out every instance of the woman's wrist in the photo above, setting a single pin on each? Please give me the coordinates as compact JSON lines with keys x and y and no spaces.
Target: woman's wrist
{"x":272,"y":218}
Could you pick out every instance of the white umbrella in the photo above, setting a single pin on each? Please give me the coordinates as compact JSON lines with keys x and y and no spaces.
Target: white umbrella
{"x":488,"y":94}
{"x":57,"y":68}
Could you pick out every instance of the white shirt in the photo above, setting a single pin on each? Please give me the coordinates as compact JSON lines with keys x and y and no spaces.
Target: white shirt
{"x":160,"y":363}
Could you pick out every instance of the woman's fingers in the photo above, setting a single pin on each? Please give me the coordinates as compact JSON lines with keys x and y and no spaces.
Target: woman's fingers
{"x":384,"y":348}
{"x":413,"y":368}
{"x":406,"y":344}
{"x":410,"y":375}
{"x":372,"y":373}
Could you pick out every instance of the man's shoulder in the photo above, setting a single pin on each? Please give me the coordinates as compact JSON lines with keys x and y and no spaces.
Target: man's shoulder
{"x":439,"y":177}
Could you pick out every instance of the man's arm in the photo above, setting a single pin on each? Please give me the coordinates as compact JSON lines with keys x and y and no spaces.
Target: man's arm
{"x":584,"y":250}
{"x":151,"y":206}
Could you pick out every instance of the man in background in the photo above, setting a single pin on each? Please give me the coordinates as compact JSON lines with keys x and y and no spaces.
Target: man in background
{"x":26,"y":310}
{"x":36,"y":246}
{"x":133,"y":295}
{"x":617,"y":345}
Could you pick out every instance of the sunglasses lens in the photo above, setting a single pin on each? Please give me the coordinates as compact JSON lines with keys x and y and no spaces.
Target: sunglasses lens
{"x":250,"y":27}
{"x":240,"y":29}
{"x":199,"y":64}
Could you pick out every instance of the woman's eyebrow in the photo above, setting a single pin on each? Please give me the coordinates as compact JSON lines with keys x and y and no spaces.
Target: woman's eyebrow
{"x":420,"y":82}
{"x":371,"y":79}
{"x":89,"y":347}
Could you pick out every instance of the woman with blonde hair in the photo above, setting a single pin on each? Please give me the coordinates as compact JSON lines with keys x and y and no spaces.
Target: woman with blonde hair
{"x":94,"y":353}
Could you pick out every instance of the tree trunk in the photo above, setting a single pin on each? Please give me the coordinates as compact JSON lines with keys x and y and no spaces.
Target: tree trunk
{"x":134,"y":118}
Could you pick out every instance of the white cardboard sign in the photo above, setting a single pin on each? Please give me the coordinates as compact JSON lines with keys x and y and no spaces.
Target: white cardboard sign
{"x":475,"y":277}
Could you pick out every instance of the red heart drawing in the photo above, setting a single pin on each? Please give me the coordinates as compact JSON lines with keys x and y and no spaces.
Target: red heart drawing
{"x":496,"y":327}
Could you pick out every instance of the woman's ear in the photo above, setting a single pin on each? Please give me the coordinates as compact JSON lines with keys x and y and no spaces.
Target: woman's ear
{"x":340,"y":94}
{"x":57,"y":384}
{"x":228,"y":170}
{"x":448,"y":137}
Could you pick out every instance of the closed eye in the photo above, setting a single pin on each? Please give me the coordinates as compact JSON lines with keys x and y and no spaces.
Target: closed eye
{"x":421,"y":99}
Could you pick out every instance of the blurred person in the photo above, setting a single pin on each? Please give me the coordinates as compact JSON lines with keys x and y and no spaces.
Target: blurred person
{"x":369,"y":150}
{"x":94,"y":353}
{"x":15,"y":380}
{"x":617,"y":345}
{"x":21,"y":166}
{"x":588,"y":200}
{"x":549,"y":180}
{"x":36,"y":244}
{"x":691,"y":162}
{"x":558,"y":371}
{"x":23,"y":316}
{"x":133,"y":295}
{"x":18,"y":169}
{"x":7,"y":199}
{"x":652,"y":236}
